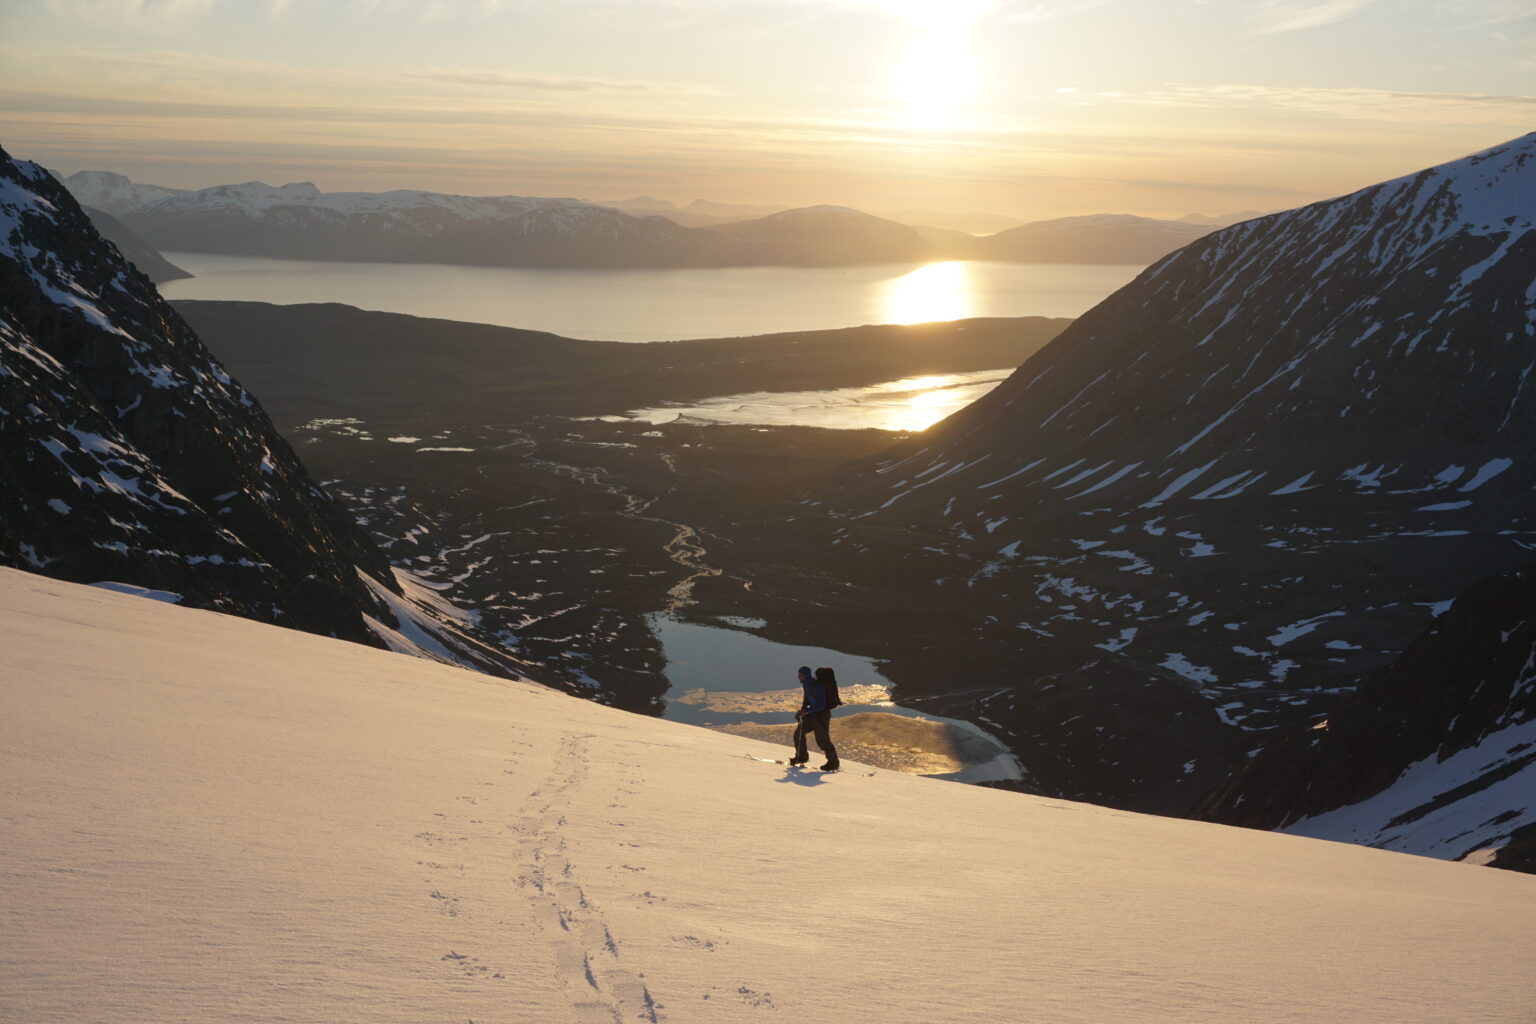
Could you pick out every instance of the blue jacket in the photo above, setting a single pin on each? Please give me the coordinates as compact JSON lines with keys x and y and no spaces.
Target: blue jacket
{"x":815,"y":699}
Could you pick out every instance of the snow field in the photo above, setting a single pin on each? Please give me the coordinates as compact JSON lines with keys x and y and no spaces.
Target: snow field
{"x":209,"y":819}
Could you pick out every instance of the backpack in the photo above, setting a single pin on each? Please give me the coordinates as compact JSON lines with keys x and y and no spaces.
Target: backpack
{"x":828,"y":680}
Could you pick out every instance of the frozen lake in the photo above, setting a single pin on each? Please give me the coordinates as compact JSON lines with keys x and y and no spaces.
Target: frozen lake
{"x":728,"y":678}
{"x":909,"y":404}
{"x":658,"y":305}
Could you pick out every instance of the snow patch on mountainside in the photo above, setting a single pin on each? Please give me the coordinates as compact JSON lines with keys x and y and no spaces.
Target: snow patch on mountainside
{"x":1447,"y":807}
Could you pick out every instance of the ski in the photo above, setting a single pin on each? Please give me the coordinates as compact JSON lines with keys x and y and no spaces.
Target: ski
{"x":774,"y":760}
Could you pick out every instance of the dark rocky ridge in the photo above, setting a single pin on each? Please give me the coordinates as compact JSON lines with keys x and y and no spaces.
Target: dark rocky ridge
{"x":134,"y":249}
{"x":130,"y":455}
{"x":1463,"y":686}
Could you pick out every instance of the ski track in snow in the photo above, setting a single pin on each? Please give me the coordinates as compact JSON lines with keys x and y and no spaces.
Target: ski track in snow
{"x":601,"y":988}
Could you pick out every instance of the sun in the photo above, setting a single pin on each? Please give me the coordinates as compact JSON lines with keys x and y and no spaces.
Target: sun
{"x":935,"y":76}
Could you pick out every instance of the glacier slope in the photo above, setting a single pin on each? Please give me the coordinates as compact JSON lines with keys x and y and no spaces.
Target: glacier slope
{"x":213,"y":819}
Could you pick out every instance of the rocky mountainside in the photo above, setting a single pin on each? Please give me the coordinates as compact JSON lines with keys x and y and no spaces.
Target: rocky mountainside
{"x":134,"y":249}
{"x":1098,"y":238}
{"x":1435,"y":754}
{"x":131,"y":457}
{"x":1252,"y":475}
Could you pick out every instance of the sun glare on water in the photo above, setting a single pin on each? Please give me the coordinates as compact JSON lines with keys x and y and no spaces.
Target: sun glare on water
{"x":939,"y":291}
{"x":917,"y":403}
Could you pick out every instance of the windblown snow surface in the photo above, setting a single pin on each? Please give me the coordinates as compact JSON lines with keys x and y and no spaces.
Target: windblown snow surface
{"x":212,"y":819}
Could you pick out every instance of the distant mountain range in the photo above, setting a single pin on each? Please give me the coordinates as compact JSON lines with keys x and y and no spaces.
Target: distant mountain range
{"x":1223,"y":220}
{"x":1100,"y":238}
{"x":704,"y":213}
{"x":697,"y":214}
{"x":298,"y":221}
{"x":831,"y":235}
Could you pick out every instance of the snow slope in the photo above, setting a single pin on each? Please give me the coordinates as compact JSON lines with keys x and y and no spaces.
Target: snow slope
{"x":212,"y":819}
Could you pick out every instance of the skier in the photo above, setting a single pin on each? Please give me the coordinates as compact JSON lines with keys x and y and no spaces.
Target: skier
{"x":815,"y":715}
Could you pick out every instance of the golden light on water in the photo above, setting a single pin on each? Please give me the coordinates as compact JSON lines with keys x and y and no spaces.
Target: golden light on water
{"x":939,"y":291}
{"x":907,"y":405}
{"x":924,"y":406}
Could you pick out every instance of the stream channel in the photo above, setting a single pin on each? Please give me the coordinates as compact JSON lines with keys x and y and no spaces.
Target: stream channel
{"x":725,"y":676}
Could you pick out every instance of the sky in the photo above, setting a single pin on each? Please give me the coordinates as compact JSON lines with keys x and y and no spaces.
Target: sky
{"x":1022,"y":108}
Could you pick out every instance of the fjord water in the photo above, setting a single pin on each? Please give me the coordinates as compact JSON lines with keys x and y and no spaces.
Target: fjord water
{"x":660,"y":305}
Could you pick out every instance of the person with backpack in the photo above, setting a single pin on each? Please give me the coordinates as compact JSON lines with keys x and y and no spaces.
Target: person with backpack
{"x":815,"y":715}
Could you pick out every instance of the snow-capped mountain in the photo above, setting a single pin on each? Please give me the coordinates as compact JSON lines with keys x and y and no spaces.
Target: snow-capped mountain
{"x":1254,"y":474}
{"x":299,"y":221}
{"x":131,"y":457}
{"x":1435,"y":754}
{"x":1096,"y":238}
{"x":114,"y":193}
{"x":211,"y":819}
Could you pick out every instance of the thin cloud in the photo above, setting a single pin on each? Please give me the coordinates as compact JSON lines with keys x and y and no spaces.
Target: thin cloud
{"x":1030,"y":12}
{"x":547,"y":83}
{"x":167,"y":9}
{"x":1294,"y":15}
{"x":1386,"y":105}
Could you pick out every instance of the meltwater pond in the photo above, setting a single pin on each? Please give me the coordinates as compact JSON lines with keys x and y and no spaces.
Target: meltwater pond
{"x":729,"y":679}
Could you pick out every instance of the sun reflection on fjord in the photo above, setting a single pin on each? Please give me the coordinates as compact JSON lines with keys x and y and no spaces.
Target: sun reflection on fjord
{"x":939,"y":291}
{"x":923,"y":409}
